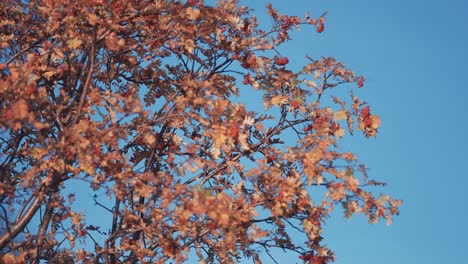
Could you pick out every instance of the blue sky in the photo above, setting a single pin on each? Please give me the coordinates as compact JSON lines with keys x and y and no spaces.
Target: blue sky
{"x":414,"y":57}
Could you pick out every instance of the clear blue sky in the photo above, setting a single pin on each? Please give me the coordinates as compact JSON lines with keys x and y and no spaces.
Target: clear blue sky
{"x":415,"y":59}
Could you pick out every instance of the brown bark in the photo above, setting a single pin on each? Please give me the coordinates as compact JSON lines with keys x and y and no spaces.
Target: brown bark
{"x":20,"y":224}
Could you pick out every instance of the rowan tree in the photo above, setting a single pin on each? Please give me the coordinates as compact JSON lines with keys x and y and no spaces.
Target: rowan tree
{"x":141,"y":101}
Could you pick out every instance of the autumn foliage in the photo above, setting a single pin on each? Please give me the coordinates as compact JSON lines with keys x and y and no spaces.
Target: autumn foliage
{"x":125,"y":139}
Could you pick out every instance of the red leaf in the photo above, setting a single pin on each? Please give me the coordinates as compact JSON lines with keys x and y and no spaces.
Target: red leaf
{"x":295,"y":104}
{"x":360,"y":81}
{"x":281,"y":61}
{"x":246,"y":79}
{"x":320,"y":28}
{"x":308,"y":128}
{"x":233,"y":131}
{"x":365,"y":112}
{"x":170,"y":159}
{"x":367,"y":122}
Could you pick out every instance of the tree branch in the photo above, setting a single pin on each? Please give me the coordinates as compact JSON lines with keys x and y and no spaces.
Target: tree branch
{"x":21,"y":223}
{"x":87,"y":83}
{"x":43,"y":228}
